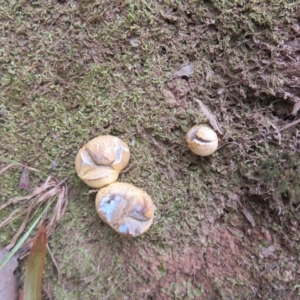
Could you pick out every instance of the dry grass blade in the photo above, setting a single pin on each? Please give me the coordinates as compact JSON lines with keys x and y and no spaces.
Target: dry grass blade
{"x":7,"y":167}
{"x":47,"y":191}
{"x":11,"y":216}
{"x":210,"y":116}
{"x":60,"y":208}
{"x":58,"y":190}
{"x":55,"y":263}
{"x":15,"y":164}
{"x":112,"y":292}
{"x":289,"y":125}
{"x":30,"y":204}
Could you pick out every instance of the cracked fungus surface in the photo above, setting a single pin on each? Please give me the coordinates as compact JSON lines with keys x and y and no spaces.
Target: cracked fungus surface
{"x":100,"y":161}
{"x":126,"y":208}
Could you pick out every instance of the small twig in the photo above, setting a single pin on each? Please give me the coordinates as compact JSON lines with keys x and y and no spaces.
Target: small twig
{"x":233,"y":143}
{"x":92,"y":191}
{"x":230,"y":85}
{"x":53,"y":22}
{"x":17,"y":165}
{"x":53,"y":45}
{"x":96,"y":273}
{"x":274,"y":265}
{"x":108,"y":295}
{"x":13,"y":163}
{"x":289,"y":125}
{"x":55,"y":264}
{"x":128,"y":168}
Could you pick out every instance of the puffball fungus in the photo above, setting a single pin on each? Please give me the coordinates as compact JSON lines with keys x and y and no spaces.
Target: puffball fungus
{"x":202,"y":140}
{"x":126,"y":208}
{"x":100,"y":161}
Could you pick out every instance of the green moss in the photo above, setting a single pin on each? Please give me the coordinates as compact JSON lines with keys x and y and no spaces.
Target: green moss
{"x":277,"y":177}
{"x":70,"y":73}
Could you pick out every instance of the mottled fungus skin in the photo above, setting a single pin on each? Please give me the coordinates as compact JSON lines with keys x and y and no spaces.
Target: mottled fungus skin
{"x":202,"y":140}
{"x":100,"y":161}
{"x":126,"y":208}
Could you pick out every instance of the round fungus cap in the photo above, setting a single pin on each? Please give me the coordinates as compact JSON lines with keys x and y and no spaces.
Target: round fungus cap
{"x":126,"y":208}
{"x":100,"y":161}
{"x":202,"y":140}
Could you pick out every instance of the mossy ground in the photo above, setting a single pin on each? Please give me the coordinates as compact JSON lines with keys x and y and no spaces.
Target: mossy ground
{"x":227,"y":225}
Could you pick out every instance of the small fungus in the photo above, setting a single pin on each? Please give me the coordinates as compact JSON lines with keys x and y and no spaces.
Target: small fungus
{"x":202,"y":140}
